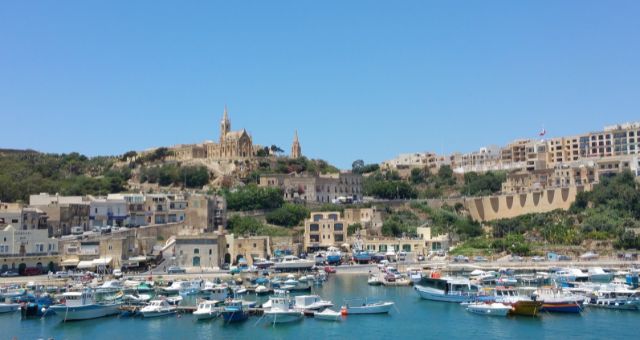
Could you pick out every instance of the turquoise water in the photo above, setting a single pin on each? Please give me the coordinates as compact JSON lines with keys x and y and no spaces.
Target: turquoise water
{"x":412,"y":318}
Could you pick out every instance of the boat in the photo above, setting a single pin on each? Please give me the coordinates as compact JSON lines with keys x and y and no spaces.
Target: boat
{"x":334,"y":256}
{"x":415,"y":274}
{"x":157,"y":308}
{"x":8,"y":307}
{"x":176,"y":287}
{"x":311,"y":302}
{"x":137,"y":298}
{"x":207,"y":310}
{"x":282,"y":309}
{"x":612,"y":297}
{"x":564,"y":275}
{"x":290,"y":262}
{"x":262,"y":263}
{"x":380,"y":307}
{"x":83,"y":306}
{"x":361,"y":256}
{"x":506,"y":281}
{"x":447,"y":289}
{"x":521,"y":304}
{"x":557,"y":301}
{"x":262,"y":290}
{"x":374,"y":280}
{"x":490,"y":309}
{"x":328,"y":315}
{"x":214,"y":291}
{"x":597,"y":274}
{"x":144,"y":287}
{"x":174,"y":300}
{"x":234,"y":311}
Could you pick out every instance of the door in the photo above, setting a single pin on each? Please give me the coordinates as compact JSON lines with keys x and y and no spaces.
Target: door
{"x":196,"y":261}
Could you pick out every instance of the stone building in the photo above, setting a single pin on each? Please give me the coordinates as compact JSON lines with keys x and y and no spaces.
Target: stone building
{"x":323,"y":230}
{"x":323,"y":188}
{"x":22,"y":217}
{"x":369,"y":218}
{"x":207,"y":211}
{"x":249,"y":248}
{"x":202,"y":251}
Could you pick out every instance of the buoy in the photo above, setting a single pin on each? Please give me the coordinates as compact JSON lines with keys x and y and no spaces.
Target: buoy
{"x":343,"y":311}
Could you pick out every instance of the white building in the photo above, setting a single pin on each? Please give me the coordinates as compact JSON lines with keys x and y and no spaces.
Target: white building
{"x":16,"y":242}
{"x":108,"y":212}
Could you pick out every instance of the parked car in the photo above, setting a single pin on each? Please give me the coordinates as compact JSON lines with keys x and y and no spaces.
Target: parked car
{"x":10,"y":273}
{"x":61,"y":274}
{"x":460,"y":258}
{"x":32,"y":271}
{"x":329,"y":269}
{"x":538,"y":259}
{"x":480,"y":259}
{"x":420,"y":257}
{"x":225,"y":266}
{"x":117,"y":273}
{"x":176,"y":270}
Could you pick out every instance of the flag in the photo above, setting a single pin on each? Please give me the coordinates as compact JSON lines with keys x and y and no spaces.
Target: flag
{"x":543,"y":132}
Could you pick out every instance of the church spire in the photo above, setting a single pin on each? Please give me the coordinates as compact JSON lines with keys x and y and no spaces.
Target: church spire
{"x":296,"y":150}
{"x":225,"y":124}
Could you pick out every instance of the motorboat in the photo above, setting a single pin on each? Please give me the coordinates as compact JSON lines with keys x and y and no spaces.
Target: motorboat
{"x":174,"y":300}
{"x":311,"y":302}
{"x":137,"y":298}
{"x":415,"y":274}
{"x":8,"y":307}
{"x":334,"y":256}
{"x":83,"y":306}
{"x":328,"y":315}
{"x":361,"y":256}
{"x":374,"y":280}
{"x":157,"y":308}
{"x":447,"y":289}
{"x":234,"y":311}
{"x":380,"y":307}
{"x":282,"y":309}
{"x":597,"y":274}
{"x":110,"y":285}
{"x":290,"y":262}
{"x":490,"y":309}
{"x":506,"y":281}
{"x":176,"y":287}
{"x":262,"y":290}
{"x":612,"y":297}
{"x":520,"y":303}
{"x":564,"y":275}
{"x":215,"y":291}
{"x":558,"y":301}
{"x":263,"y":264}
{"x":207,"y":310}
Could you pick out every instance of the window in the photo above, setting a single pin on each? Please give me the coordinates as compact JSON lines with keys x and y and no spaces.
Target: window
{"x":254,"y":245}
{"x":314,"y":227}
{"x":196,"y":251}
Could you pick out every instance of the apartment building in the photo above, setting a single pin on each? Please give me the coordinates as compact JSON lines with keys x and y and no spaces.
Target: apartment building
{"x":323,"y":230}
{"x":322,"y":188}
{"x":26,"y":242}
{"x":413,"y":160}
{"x":63,"y":212}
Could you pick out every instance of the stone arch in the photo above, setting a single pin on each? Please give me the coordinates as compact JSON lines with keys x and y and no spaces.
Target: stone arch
{"x":523,"y":200}
{"x":509,"y":200}
{"x":479,"y":208}
{"x":550,"y":195}
{"x":536,"y":198}
{"x":565,"y":194}
{"x":495,"y":203}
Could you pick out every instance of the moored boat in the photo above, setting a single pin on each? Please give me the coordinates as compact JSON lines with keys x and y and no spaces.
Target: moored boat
{"x":282,"y":309}
{"x":380,"y":307}
{"x":207,"y":310}
{"x":157,"y":308}
{"x":83,"y":306}
{"x":490,"y":309}
{"x":328,"y":315}
{"x":447,"y":289}
{"x":234,"y":311}
{"x":9,"y":307}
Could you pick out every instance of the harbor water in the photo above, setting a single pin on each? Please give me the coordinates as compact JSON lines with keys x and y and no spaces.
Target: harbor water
{"x":411,"y":317}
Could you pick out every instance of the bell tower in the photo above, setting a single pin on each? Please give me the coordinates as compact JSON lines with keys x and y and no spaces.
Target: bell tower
{"x":225,"y":125}
{"x":296,"y":150}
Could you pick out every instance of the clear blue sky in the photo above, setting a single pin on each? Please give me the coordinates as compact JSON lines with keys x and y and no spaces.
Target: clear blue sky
{"x":358,"y":79}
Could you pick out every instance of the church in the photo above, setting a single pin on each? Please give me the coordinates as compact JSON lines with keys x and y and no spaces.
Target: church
{"x":232,"y":145}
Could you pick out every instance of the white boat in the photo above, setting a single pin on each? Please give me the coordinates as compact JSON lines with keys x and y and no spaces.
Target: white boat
{"x":137,"y":299}
{"x":262,"y":290}
{"x":368,"y":308}
{"x":374,"y":280}
{"x":447,"y":289}
{"x":83,"y":306}
{"x":311,"y":302}
{"x":176,"y":287}
{"x":415,"y":274}
{"x":569,"y":275}
{"x":174,"y":300}
{"x":291,"y":262}
{"x":506,"y":281}
{"x":9,"y":307}
{"x":158,"y":308}
{"x":207,"y":310}
{"x":491,"y":309}
{"x":111,"y":285}
{"x":282,"y":310}
{"x":328,"y":315}
{"x":597,"y":274}
{"x":214,"y":291}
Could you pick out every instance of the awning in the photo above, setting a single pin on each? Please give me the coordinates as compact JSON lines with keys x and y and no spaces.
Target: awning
{"x":138,"y":259}
{"x":86,"y":265}
{"x":104,"y":261}
{"x":69,"y":263}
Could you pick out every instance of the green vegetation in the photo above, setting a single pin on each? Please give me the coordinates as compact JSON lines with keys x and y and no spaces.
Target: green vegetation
{"x":289,"y":215}
{"x":252,"y":197}
{"x":448,"y":220}
{"x":172,"y":174}
{"x":359,"y":167}
{"x":251,"y":226}
{"x":483,"y":184}
{"x":400,"y":223}
{"x":25,"y":172}
{"x":387,"y":186}
{"x":353,"y":228}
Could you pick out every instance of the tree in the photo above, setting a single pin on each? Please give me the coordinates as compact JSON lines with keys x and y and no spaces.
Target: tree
{"x":352,"y":229}
{"x":288,"y":215}
{"x":357,"y":166}
{"x":127,"y":155}
{"x":252,"y":197}
{"x":275,"y":149}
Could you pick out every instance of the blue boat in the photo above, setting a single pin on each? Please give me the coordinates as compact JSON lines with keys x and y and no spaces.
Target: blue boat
{"x":334,"y":256}
{"x":362,"y":256}
{"x":234,"y":311}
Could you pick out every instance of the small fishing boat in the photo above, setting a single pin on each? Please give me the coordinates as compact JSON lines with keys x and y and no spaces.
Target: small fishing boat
{"x":262,"y":290}
{"x":367,"y":308}
{"x":616,"y":298}
{"x":282,"y":309}
{"x":174,"y":300}
{"x":374,"y":280}
{"x":415,"y":274}
{"x":157,"y":308}
{"x":137,"y":298}
{"x":557,"y":301}
{"x":83,"y":306}
{"x":447,"y":289}
{"x":328,"y":315}
{"x":490,"y":309}
{"x":234,"y":311}
{"x":207,"y":310}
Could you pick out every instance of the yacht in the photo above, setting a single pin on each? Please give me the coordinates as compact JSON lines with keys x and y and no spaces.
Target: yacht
{"x":564,"y":275}
{"x":291,"y":262}
{"x":447,"y":289}
{"x":158,"y":308}
{"x":282,"y":309}
{"x":328,"y":315}
{"x":83,"y":306}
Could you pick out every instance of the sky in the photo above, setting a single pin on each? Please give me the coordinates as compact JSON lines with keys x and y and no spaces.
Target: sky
{"x":357,"y":79}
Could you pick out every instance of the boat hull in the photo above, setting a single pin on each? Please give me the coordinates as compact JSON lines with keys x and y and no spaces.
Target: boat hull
{"x":205,"y":315}
{"x":234,"y":316}
{"x":85,"y":312}
{"x":439,"y":295}
{"x":9,"y":307}
{"x":282,"y":317}
{"x":376,"y":309}
{"x":157,"y":314}
{"x":488,"y":311}
{"x":570,"y":308}
{"x":526,"y":308}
